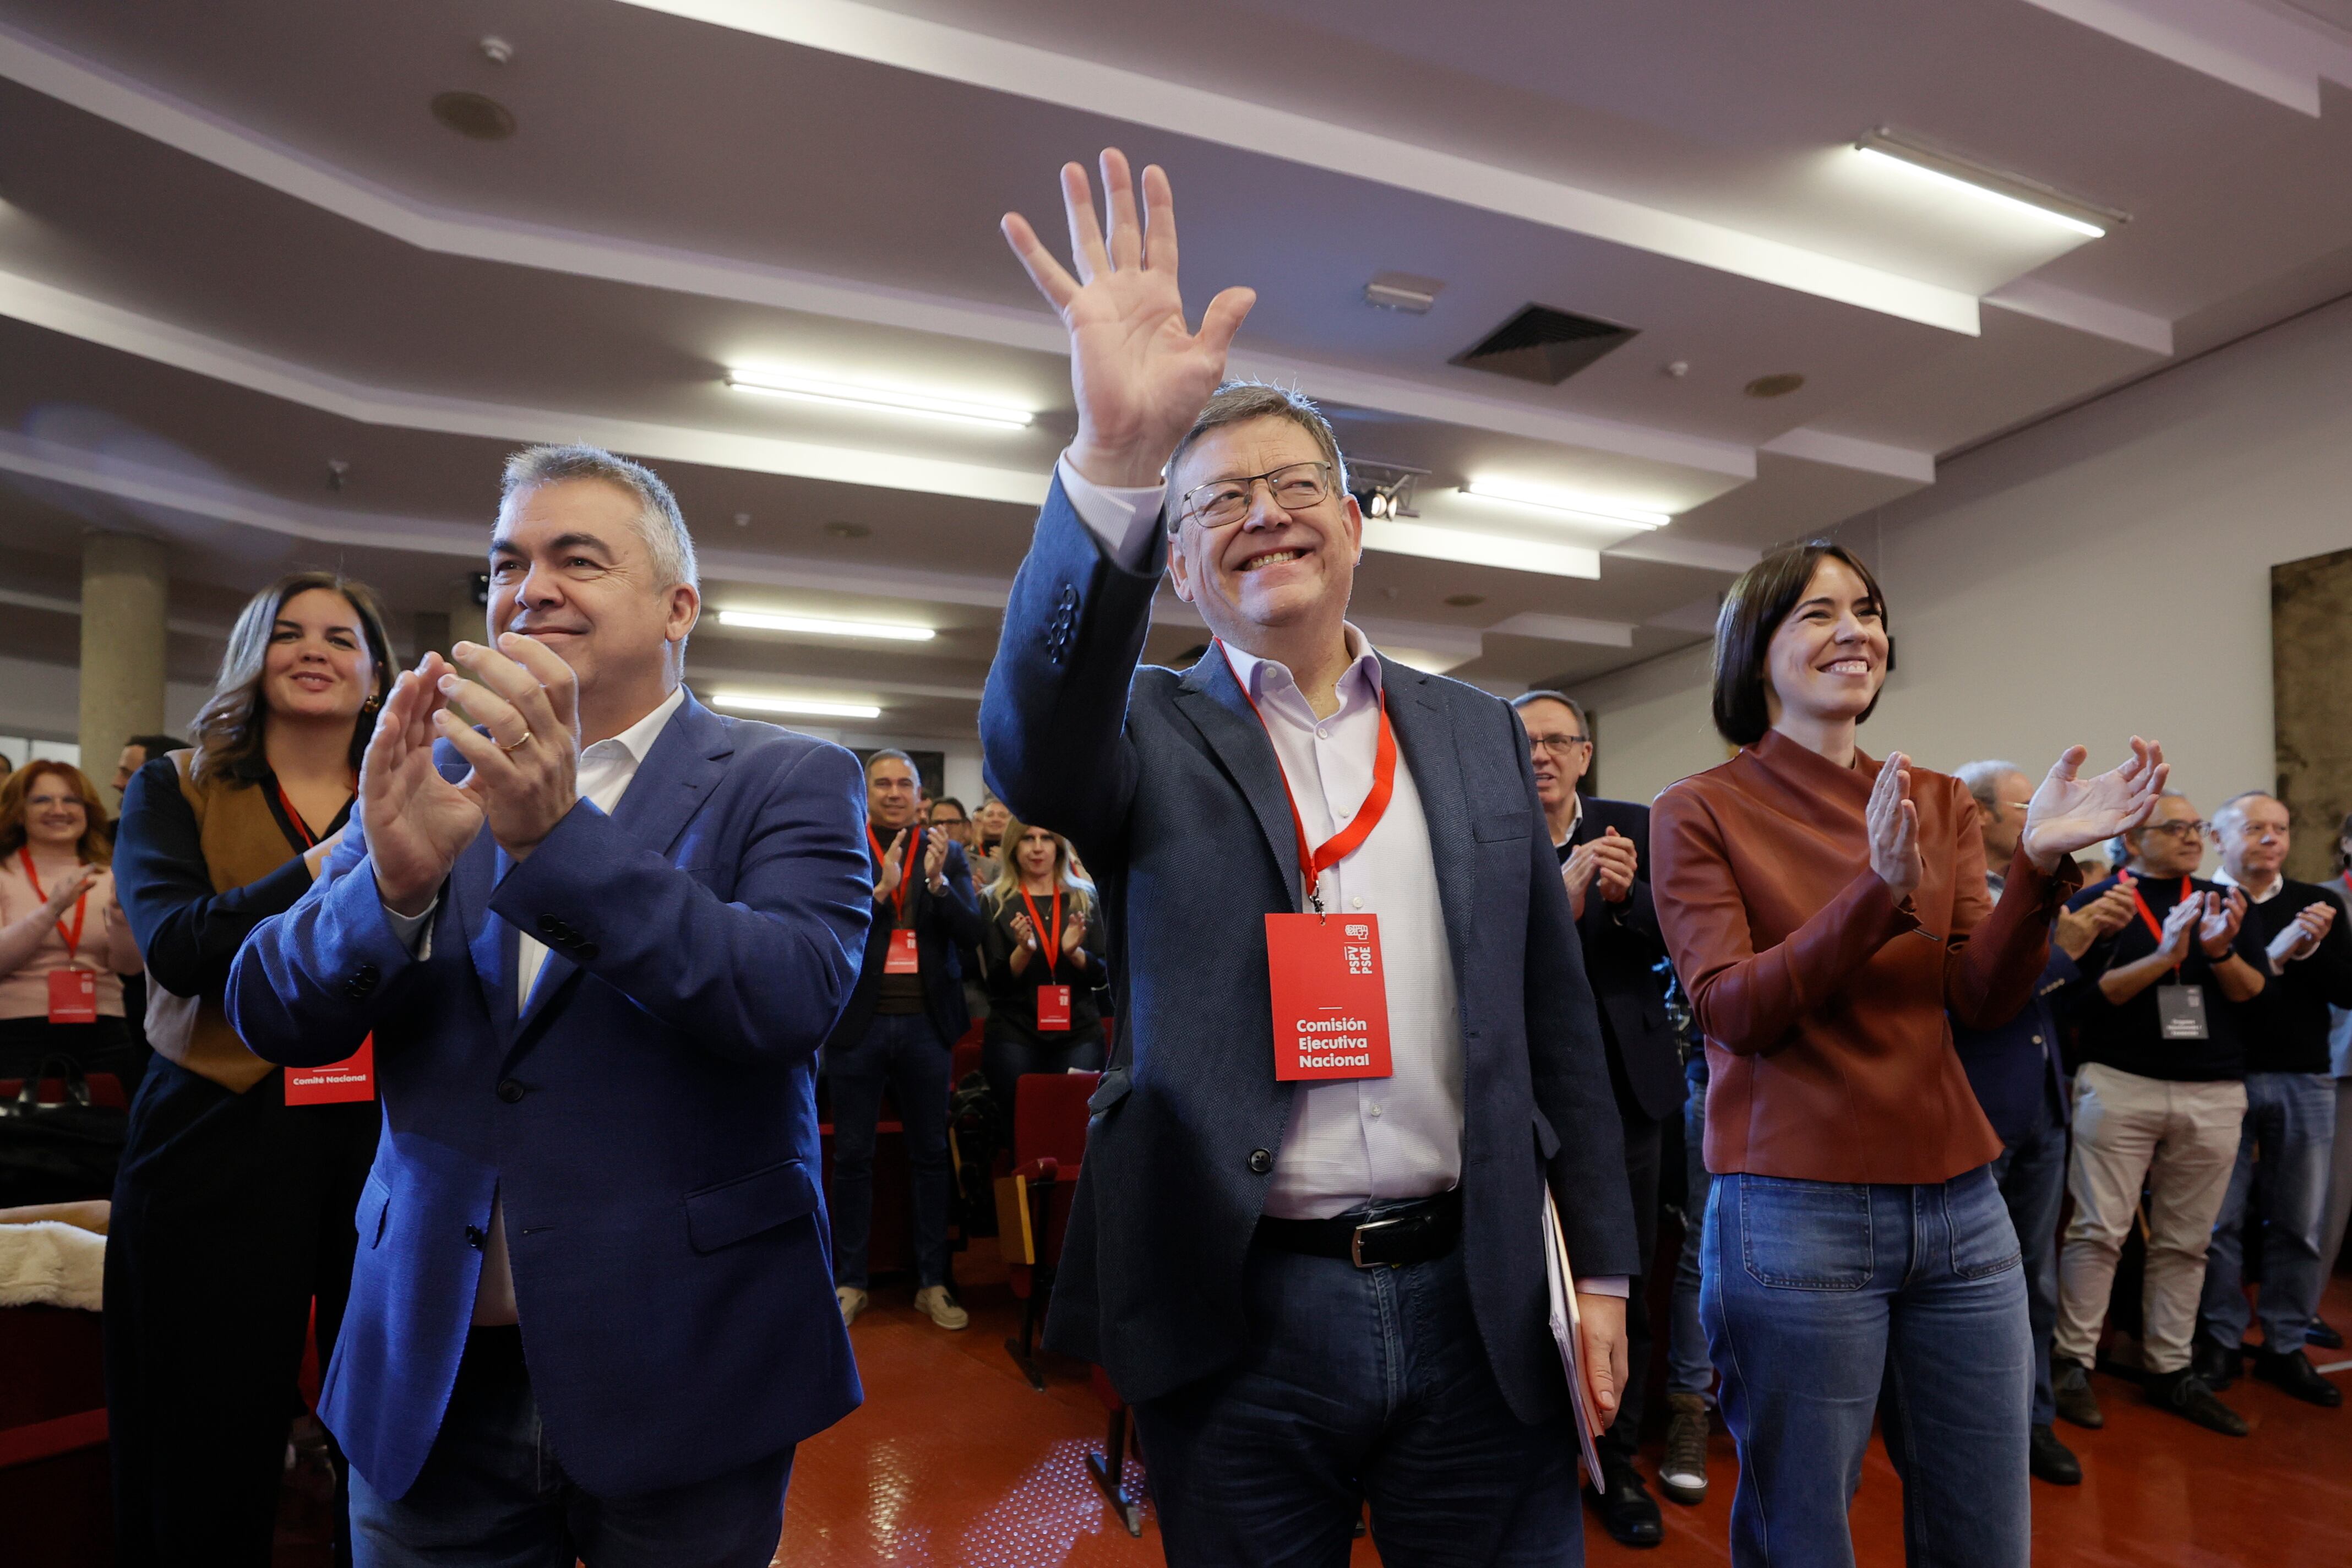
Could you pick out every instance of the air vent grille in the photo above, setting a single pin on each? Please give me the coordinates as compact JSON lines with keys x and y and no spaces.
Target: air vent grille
{"x":1543,"y":345}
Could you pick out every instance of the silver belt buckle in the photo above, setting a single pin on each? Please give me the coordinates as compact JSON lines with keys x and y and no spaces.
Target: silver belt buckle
{"x":1356,"y":1242}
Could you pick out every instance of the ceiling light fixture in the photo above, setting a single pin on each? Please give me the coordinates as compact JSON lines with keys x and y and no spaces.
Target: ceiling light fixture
{"x":896,"y":399}
{"x":763,"y":621}
{"x":754,"y":702}
{"x":2012,"y":190}
{"x":1565,"y":502}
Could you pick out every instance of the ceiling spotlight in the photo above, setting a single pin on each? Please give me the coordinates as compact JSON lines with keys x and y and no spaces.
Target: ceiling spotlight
{"x":762,"y":621}
{"x":2014,"y":192}
{"x":1384,"y":491}
{"x":473,"y":115}
{"x":894,"y":399}
{"x":756,"y":702}
{"x":1566,"y":502}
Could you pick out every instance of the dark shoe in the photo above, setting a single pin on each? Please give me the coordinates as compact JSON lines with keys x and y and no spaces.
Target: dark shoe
{"x":2052,"y":1460}
{"x":2185,"y":1394}
{"x":2292,"y":1372}
{"x":1628,"y":1512}
{"x":2070,"y":1383}
{"x":2216,"y":1366}
{"x":2323,"y":1336}
{"x":1682,"y":1474}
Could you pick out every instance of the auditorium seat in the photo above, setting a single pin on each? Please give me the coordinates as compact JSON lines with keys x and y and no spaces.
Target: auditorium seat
{"x":1049,"y":1144}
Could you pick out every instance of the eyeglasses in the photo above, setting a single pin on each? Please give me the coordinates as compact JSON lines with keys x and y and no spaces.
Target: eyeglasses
{"x":1557,"y":745}
{"x":1220,"y":503}
{"x":2180,"y":830}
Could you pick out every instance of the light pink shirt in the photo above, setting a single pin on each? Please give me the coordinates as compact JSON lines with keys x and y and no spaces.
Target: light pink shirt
{"x":107,"y":946}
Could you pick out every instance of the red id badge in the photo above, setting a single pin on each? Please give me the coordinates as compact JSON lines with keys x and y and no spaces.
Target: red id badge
{"x":352,"y":1079}
{"x":903,"y":959}
{"x":1052,"y":1009}
{"x":1330,"y":1001}
{"x":73,"y":995}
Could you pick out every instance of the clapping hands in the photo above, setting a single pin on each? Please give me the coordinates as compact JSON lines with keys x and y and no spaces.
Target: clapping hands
{"x":2300,"y":937}
{"x":2068,"y":813}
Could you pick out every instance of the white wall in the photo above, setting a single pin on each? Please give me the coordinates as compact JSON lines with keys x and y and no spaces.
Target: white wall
{"x":2101,"y":574}
{"x":43,"y":701}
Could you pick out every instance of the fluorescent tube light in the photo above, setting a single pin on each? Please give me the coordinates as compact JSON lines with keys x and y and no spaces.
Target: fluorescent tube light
{"x":756,"y":702}
{"x":894,"y":399}
{"x":2014,"y":192}
{"x":1433,"y":543}
{"x":1585,"y":508}
{"x":762,"y":621}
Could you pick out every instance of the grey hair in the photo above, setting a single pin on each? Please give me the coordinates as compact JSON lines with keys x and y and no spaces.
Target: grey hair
{"x":660,"y":522}
{"x":1981,"y":776}
{"x":1237,"y":401}
{"x":889,"y":753}
{"x":1519,"y":705}
{"x":2234,"y":808}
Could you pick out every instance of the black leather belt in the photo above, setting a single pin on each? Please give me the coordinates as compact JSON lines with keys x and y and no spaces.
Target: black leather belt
{"x":1393,"y":1239}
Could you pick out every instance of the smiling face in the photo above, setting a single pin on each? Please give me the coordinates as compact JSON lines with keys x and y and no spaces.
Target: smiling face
{"x":990,"y":820}
{"x":1036,"y":853}
{"x":1828,"y":657}
{"x":1561,"y":749}
{"x":2165,"y":846}
{"x":1274,"y":569}
{"x":56,"y":816}
{"x":891,"y":796}
{"x":569,"y":568}
{"x":318,"y":667}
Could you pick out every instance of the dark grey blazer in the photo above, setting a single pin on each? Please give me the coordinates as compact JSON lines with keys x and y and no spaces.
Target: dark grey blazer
{"x":1169,"y":785}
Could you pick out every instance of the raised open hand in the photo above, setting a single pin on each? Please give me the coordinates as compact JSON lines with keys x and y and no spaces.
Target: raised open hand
{"x":526,"y":756}
{"x":69,"y":888}
{"x":893,"y":858}
{"x":1139,"y":374}
{"x":2068,"y":813}
{"x":1892,"y":818}
{"x":416,"y":822}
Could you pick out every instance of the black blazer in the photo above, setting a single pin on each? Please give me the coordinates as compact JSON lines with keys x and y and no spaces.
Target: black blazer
{"x":943,"y":926}
{"x":1012,"y":998}
{"x":1621,"y":947}
{"x":1170,"y":789}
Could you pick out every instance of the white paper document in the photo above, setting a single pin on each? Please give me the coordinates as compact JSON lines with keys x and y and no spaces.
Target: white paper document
{"x":1565,"y":1321}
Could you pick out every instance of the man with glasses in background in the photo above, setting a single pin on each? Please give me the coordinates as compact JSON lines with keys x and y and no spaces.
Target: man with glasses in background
{"x":2290,"y":1131}
{"x":2159,"y":1099}
{"x":1603,"y":847}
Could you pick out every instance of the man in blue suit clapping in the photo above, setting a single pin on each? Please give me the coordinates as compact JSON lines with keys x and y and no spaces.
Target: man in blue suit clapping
{"x":1356,"y":1038}
{"x":597,"y":933}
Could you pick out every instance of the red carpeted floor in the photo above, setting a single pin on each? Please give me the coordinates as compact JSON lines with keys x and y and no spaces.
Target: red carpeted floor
{"x":955,"y":1462}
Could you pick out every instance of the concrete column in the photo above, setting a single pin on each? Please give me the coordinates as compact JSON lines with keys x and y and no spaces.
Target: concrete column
{"x":125,"y":589}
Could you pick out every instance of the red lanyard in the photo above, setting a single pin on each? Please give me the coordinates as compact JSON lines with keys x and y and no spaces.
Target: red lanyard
{"x":72,"y":939}
{"x":294,"y":818}
{"x":905,"y":872}
{"x":2149,"y":915}
{"x":1053,"y":952}
{"x":1313,"y":863}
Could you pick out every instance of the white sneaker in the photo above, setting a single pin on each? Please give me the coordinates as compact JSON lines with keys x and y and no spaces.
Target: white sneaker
{"x":852,"y":1301}
{"x":934,"y":1302}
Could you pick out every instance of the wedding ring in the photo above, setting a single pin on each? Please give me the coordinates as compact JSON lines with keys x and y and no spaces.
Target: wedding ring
{"x":517,"y":746}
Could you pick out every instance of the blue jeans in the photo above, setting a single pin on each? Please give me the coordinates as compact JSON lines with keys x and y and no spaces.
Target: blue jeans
{"x":1358,"y":1385}
{"x":2032,"y":1174}
{"x":902,"y":1052}
{"x":1687,"y":1369}
{"x":1825,"y":1301}
{"x":2291,"y":1124}
{"x":493,"y":1494}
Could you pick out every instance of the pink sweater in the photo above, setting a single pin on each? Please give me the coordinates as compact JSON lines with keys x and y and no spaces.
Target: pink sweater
{"x":30,"y":946}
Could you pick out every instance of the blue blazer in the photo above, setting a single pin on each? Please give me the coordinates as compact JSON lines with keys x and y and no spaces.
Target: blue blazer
{"x":648,"y":1118}
{"x":1170,"y":789}
{"x":942,"y":926}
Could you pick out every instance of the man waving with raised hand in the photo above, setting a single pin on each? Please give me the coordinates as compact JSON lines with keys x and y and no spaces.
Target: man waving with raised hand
{"x":1356,"y":1038}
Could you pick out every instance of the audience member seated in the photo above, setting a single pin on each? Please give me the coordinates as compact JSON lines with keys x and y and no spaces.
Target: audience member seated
{"x":2020,"y":1082}
{"x":2159,"y":1099}
{"x":2290,"y":1127}
{"x":2338,"y":1214}
{"x":137,"y":752}
{"x":899,"y":1033}
{"x":1603,"y":847}
{"x":64,"y":943}
{"x":1044,"y":953}
{"x":233,"y":1212}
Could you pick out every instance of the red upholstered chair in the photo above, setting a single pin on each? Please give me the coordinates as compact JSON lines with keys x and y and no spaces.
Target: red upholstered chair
{"x":105,"y":1088}
{"x":965,"y":1061}
{"x":1049,"y":1143}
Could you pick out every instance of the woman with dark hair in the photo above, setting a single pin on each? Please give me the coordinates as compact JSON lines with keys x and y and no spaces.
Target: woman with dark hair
{"x":233,"y":1211}
{"x":65,"y":943}
{"x":1828,"y":914}
{"x":1043,"y":959}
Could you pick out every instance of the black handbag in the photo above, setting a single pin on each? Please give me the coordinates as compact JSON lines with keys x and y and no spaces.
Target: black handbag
{"x":58,"y":1154}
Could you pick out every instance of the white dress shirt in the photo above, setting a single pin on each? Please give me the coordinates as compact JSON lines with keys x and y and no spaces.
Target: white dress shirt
{"x":603,"y":775}
{"x":1364,"y":1139}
